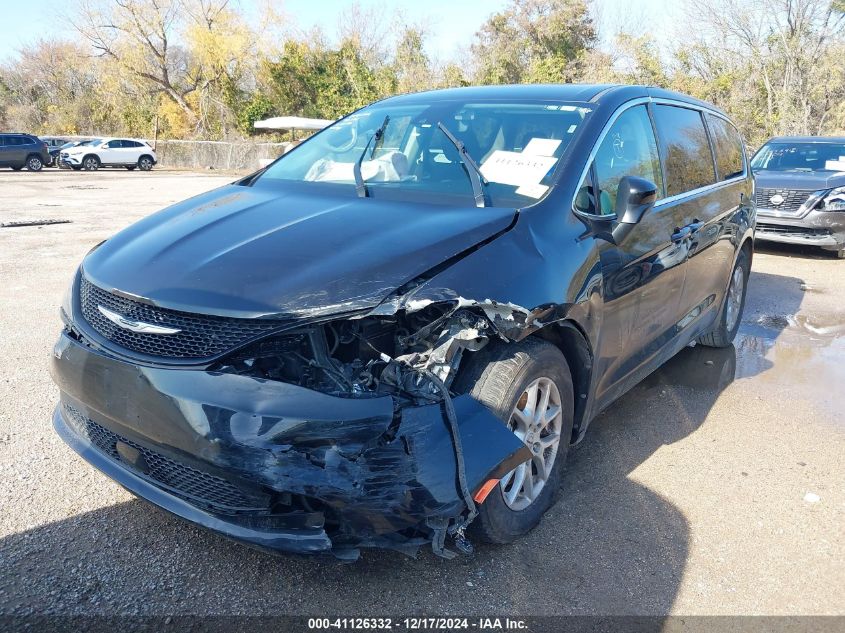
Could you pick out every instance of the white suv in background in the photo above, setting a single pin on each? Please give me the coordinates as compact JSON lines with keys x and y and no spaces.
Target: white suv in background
{"x":109,"y":152}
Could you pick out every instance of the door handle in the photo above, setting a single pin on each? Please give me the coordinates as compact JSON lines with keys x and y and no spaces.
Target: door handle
{"x":695,"y":225}
{"x":680,"y":234}
{"x":685,"y":231}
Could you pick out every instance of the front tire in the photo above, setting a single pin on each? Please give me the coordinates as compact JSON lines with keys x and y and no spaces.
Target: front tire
{"x":732,"y":306}
{"x":145,"y":163}
{"x":91,"y":163}
{"x":527,"y":385}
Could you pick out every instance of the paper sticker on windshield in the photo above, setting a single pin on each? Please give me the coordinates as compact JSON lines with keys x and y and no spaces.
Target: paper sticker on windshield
{"x":532,"y":191}
{"x":541,"y":146}
{"x":516,"y":168}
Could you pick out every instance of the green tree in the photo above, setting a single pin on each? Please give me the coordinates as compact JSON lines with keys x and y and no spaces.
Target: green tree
{"x":314,"y":81}
{"x":411,"y":66}
{"x":534,"y":41}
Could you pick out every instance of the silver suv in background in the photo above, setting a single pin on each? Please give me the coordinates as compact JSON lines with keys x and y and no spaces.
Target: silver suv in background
{"x":801,"y":191}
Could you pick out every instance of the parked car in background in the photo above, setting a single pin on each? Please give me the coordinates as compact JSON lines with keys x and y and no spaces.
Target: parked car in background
{"x":109,"y":152}
{"x":68,"y":146}
{"x":801,"y":191}
{"x":53,"y":146}
{"x":23,"y":150}
{"x":396,"y":330}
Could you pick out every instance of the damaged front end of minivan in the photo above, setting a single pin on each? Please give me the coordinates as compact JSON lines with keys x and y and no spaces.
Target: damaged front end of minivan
{"x":327,"y":436}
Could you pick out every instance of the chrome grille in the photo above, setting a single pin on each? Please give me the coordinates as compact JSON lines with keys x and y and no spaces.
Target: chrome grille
{"x":792,"y":199}
{"x":200,"y":336}
{"x":200,"y":488}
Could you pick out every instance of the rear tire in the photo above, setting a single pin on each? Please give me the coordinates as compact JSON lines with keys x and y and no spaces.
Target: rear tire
{"x":145,"y":163}
{"x":506,"y":378}
{"x":732,"y":306}
{"x":34,"y":163}
{"x":91,"y":163}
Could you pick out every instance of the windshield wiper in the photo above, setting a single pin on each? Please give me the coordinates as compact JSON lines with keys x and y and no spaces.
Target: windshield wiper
{"x":360,"y":187}
{"x":473,"y":170}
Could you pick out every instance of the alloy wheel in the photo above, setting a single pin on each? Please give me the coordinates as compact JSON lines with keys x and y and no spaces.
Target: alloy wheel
{"x":34,"y":164}
{"x":536,"y":419}
{"x":146,"y":164}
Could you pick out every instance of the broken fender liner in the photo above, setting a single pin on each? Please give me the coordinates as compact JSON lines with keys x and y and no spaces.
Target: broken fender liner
{"x":377,"y":479}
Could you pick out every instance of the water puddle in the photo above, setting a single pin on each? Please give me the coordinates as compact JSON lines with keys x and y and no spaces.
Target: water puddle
{"x":799,"y":355}
{"x":788,"y":357}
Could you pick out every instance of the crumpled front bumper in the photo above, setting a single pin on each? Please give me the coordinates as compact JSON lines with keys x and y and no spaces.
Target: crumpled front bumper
{"x":272,"y":464}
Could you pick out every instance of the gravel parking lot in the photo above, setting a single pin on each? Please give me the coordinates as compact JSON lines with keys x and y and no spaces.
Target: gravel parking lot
{"x":715,"y":487}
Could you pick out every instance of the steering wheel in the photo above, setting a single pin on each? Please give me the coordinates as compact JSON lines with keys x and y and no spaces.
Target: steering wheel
{"x":343,"y":129}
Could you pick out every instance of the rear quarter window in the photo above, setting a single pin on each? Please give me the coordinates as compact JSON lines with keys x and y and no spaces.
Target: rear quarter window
{"x":727,"y":144}
{"x":685,"y":149}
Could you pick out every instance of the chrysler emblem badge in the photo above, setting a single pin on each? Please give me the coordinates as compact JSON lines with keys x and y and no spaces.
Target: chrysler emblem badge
{"x":136,"y":326}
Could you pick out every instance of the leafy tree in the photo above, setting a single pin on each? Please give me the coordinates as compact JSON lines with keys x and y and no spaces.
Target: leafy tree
{"x":326,"y":83}
{"x":411,"y":65}
{"x":534,"y":41}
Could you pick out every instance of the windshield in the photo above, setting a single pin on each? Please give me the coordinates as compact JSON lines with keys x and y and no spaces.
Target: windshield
{"x":800,"y":157}
{"x":517,"y":146}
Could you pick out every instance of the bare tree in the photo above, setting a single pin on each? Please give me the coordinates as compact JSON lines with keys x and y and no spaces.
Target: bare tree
{"x":787,"y":44}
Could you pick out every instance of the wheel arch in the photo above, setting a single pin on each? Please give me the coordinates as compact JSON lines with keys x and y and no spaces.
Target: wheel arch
{"x":748,"y":246}
{"x":568,"y":337}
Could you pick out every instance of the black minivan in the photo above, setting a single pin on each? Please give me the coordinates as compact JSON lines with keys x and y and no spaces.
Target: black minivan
{"x":391,"y":336}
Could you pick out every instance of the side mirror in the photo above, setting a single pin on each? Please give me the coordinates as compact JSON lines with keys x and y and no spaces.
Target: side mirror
{"x":634,"y":197}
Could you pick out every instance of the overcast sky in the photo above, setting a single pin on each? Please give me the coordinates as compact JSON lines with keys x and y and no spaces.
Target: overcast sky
{"x":452,"y":22}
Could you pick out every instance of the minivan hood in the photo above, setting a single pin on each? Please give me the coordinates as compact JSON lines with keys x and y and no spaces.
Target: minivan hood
{"x":809,"y":180}
{"x":286,"y":251}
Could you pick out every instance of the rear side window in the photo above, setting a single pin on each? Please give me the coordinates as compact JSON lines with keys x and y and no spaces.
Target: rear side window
{"x":14,"y":140}
{"x":728,"y":147}
{"x":628,"y":149}
{"x":685,"y":149}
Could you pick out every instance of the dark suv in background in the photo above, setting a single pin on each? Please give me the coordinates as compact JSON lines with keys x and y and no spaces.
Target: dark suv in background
{"x":801,"y":191}
{"x":23,"y":150}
